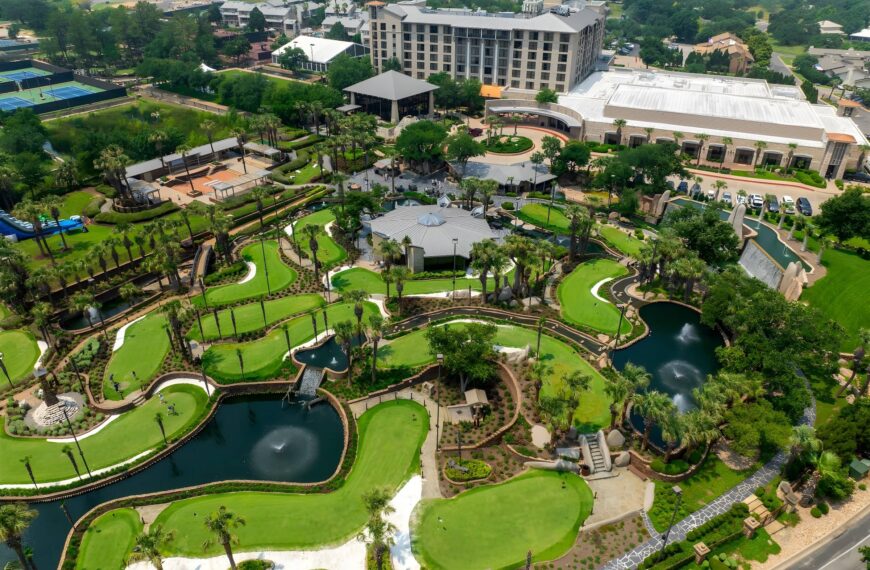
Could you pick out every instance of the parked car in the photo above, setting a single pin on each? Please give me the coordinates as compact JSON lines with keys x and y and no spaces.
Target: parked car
{"x":756,"y":201}
{"x":741,"y":199}
{"x":804,"y":207}
{"x":773,"y":205}
{"x":857,"y":177}
{"x":726,"y":197}
{"x":683,"y":187}
{"x":475,"y":132}
{"x":711,"y":194}
{"x":624,"y":50}
{"x":788,"y":204}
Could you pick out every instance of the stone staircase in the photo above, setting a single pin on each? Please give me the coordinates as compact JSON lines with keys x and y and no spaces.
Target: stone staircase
{"x":596,"y":454}
{"x":756,"y":507}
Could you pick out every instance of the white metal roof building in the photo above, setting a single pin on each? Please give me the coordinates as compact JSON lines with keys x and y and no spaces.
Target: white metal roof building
{"x":320,"y":51}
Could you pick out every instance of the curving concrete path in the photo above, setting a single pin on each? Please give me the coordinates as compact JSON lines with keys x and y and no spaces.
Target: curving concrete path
{"x":252,"y":272}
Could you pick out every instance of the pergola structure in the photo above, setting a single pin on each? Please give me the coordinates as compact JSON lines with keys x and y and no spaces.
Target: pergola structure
{"x":393,"y":95}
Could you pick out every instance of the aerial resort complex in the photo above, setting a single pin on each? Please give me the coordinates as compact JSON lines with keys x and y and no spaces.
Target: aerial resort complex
{"x":434,"y":284}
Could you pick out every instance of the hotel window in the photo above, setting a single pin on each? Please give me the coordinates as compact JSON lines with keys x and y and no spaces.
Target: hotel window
{"x":515,"y":84}
{"x":530,"y":85}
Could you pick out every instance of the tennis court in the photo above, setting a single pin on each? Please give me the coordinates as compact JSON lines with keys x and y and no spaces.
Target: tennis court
{"x":12,"y":103}
{"x":47,"y":94}
{"x":18,"y":75}
{"x":67,"y":92}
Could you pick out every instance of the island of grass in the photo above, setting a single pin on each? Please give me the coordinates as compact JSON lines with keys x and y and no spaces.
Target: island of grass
{"x":329,"y":253}
{"x":129,"y":435}
{"x":842,"y":293}
{"x":109,"y":539}
{"x":20,"y":352}
{"x":617,"y":239}
{"x":593,"y":412}
{"x":539,"y":511}
{"x":264,"y":358}
{"x":536,"y":214}
{"x":390,"y":436}
{"x":146,"y":344}
{"x":250,"y":318}
{"x":580,"y":296}
{"x":280,"y":276}
{"x":508,"y":144}
{"x":372,"y":283}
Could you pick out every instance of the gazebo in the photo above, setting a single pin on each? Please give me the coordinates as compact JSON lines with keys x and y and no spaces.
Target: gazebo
{"x":393,"y":95}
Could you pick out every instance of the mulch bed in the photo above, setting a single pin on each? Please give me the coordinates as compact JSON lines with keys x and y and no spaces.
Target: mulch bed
{"x":593,"y":548}
{"x":504,"y":466}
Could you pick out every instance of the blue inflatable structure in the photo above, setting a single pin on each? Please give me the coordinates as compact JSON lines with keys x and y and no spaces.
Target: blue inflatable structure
{"x":10,"y":225}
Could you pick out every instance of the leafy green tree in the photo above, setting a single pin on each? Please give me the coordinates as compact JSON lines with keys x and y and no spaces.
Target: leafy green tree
{"x":344,"y":71}
{"x":705,"y":233}
{"x":392,"y":64}
{"x":467,"y":351}
{"x":547,"y":95}
{"x":756,"y":428}
{"x":422,"y":143}
{"x":337,"y":32}
{"x":148,"y":546}
{"x":236,"y":48}
{"x":293,"y":59}
{"x":257,"y":21}
{"x":461,"y":147}
{"x":847,"y":215}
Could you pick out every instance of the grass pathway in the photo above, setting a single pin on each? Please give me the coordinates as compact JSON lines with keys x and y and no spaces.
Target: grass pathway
{"x":581,"y":307}
{"x":249,"y":317}
{"x":329,"y":253}
{"x":20,"y":353}
{"x":494,"y":526}
{"x":129,"y":435}
{"x":146,"y":345}
{"x":281,"y":276}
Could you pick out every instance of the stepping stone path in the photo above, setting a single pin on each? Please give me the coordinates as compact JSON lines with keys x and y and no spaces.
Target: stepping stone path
{"x":721,"y":505}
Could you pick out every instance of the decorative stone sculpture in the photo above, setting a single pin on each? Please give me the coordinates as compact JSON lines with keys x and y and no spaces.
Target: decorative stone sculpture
{"x":622,"y":460}
{"x":615,"y":439}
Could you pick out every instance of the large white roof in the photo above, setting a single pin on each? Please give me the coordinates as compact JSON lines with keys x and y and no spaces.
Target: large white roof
{"x":318,"y":50}
{"x":433,"y":228}
{"x":547,"y":22}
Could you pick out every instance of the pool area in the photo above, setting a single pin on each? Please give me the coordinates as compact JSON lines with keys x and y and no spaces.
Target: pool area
{"x":254,"y":438}
{"x":678,"y":353}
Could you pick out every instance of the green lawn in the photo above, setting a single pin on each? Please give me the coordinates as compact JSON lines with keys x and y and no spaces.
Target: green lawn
{"x":390,"y":436}
{"x":842,"y":293}
{"x":536,"y":214}
{"x":825,"y":390}
{"x":281,"y":276}
{"x":263,"y":357}
{"x":235,"y":73}
{"x":20,"y":352}
{"x":250,"y":317}
{"x":329,"y":253}
{"x":129,"y":435}
{"x":74,"y":203}
{"x":371,"y":282}
{"x":620,"y":240}
{"x":494,"y":526}
{"x":713,"y":479}
{"x":579,"y":306}
{"x":109,"y":540}
{"x":411,"y":350}
{"x":145,"y":346}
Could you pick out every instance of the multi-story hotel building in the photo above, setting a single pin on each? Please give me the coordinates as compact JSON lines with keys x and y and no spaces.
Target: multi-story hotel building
{"x":554,"y":49}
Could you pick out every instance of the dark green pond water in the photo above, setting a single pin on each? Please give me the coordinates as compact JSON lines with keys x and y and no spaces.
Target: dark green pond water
{"x":248,"y":438}
{"x":679,"y":353}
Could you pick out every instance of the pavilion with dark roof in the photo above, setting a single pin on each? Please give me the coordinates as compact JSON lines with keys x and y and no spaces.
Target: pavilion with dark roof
{"x":393,"y":95}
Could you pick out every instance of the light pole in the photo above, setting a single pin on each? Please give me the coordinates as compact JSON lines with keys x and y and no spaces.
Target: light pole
{"x":311,"y":45}
{"x":453,"y":293}
{"x":679,"y":493}
{"x":265,"y":265}
{"x":5,"y":372}
{"x":440,"y":358}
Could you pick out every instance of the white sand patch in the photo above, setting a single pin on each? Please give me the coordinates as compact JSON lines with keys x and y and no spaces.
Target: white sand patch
{"x":444,"y":294}
{"x":289,"y":230}
{"x":76,"y":479}
{"x":185,"y":381}
{"x":479,"y":321}
{"x":595,"y":288}
{"x":327,"y":279}
{"x":347,"y":556}
{"x":119,"y":336}
{"x":508,"y":349}
{"x":43,"y":346}
{"x":540,"y":436}
{"x":381,"y":304}
{"x":328,"y":228}
{"x":252,"y":272}
{"x":87,"y":434}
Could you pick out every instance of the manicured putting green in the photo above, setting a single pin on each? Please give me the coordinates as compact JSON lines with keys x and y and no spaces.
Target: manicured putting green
{"x":129,"y":435}
{"x":842,"y":293}
{"x":109,"y":540}
{"x":329,"y":253}
{"x":20,"y":352}
{"x":146,"y":344}
{"x":250,"y":317}
{"x":620,"y":240}
{"x":592,"y":413}
{"x":263,"y":357}
{"x":74,"y":203}
{"x":281,"y":276}
{"x":536,"y":214}
{"x":494,"y":526}
{"x":371,"y":282}
{"x":390,"y":436}
{"x":581,"y":307}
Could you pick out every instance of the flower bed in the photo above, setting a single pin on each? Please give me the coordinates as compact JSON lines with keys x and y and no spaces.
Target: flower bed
{"x":508,"y":144}
{"x":474,"y":469}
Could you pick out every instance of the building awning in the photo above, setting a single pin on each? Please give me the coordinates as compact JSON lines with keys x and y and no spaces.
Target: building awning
{"x":490,"y":91}
{"x":841,"y":138}
{"x":843,"y":102}
{"x":568,"y":120}
{"x":347,"y":108}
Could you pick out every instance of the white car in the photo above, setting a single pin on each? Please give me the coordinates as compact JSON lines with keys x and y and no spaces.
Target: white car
{"x":726,"y":197}
{"x":756,"y":201}
{"x":788,"y":204}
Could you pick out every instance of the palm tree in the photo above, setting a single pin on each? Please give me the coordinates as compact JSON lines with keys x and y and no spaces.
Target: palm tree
{"x":15,"y":518}
{"x":258,"y":193}
{"x":803,"y":440}
{"x":66,"y":175}
{"x":68,"y":451}
{"x":616,"y":391}
{"x":158,"y":417}
{"x":241,"y":137}
{"x":112,"y":163}
{"x":53,"y":204}
{"x":579,"y":222}
{"x":672,"y":430}
{"x":344,"y":337}
{"x":726,"y":142}
{"x":677,"y":136}
{"x":159,"y":138}
{"x":791,"y":148}
{"x":537,"y":159}
{"x":390,"y":251}
{"x":693,"y":269}
{"x":380,"y":530}
{"x":719,"y":185}
{"x":357,"y":297}
{"x":400,"y":275}
{"x":221,"y":524}
{"x":29,"y":467}
{"x":637,"y":379}
{"x":149,"y":544}
{"x":619,"y":124}
{"x":123,"y":230}
{"x":482,"y":253}
{"x":42,"y":314}
{"x":759,"y":147}
{"x":183,"y":150}
{"x":376,"y":331}
{"x":208,"y":127}
{"x":653,"y":406}
{"x":312,"y":231}
{"x":649,"y":133}
{"x":32,"y":212}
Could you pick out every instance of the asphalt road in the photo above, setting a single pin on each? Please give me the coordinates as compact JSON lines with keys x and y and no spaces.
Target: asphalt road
{"x":839,"y":552}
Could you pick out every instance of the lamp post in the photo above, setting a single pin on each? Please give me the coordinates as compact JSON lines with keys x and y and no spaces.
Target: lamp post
{"x":75,"y":439}
{"x":311,"y":45}
{"x":5,"y":372}
{"x":440,"y":358}
{"x":679,"y":493}
{"x":453,"y":293}
{"x":265,"y":265}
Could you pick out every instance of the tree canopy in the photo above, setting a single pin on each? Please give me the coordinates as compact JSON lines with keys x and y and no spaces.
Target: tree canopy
{"x":422,"y":142}
{"x":467,"y":351}
{"x":344,"y":71}
{"x":847,"y":215}
{"x":704,"y":232}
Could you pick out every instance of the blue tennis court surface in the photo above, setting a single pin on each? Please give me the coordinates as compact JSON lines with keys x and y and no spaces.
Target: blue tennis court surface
{"x":67,"y":92}
{"x":11,"y":103}
{"x":20,"y":75}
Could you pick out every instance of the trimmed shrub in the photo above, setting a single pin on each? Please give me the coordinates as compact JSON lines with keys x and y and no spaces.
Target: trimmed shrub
{"x":674,"y":467}
{"x":476,"y":469}
{"x":134,"y":217}
{"x":93,"y":207}
{"x":823,"y":507}
{"x":507,"y":205}
{"x":816,"y":512}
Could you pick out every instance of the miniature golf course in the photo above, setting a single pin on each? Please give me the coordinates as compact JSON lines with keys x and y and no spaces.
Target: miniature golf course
{"x":372,"y":283}
{"x":579,"y":303}
{"x":20,"y":353}
{"x":250,"y":317}
{"x":280,"y":274}
{"x":329,"y":253}
{"x":109,"y":540}
{"x":146,"y":345}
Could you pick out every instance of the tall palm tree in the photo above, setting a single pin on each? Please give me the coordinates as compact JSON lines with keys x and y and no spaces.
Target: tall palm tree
{"x":123,"y":230}
{"x":159,"y":138}
{"x":579,"y":222}
{"x":149,"y":544}
{"x":258,"y":193}
{"x":637,"y":379}
{"x":791,"y":148}
{"x":357,"y":297}
{"x":67,"y":450}
{"x":311,"y":231}
{"x":53,"y":204}
{"x":677,"y":136}
{"x":616,"y":391}
{"x":15,"y":519}
{"x":400,"y":275}
{"x":66,"y":175}
{"x":112,"y":163}
{"x":208,"y":127}
{"x":619,"y":124}
{"x":726,"y":142}
{"x":672,"y":430}
{"x":759,"y":148}
{"x":654,"y":407}
{"x":344,"y":337}
{"x":158,"y":418}
{"x":241,"y":136}
{"x":31,"y":211}
{"x":701,"y":138}
{"x":376,"y":332}
{"x":536,"y":159}
{"x":719,"y":185}
{"x":481,"y":261}
{"x":649,"y":133}
{"x":42,"y":314}
{"x":390,"y":251}
{"x":221,"y":524}
{"x":380,"y":530}
{"x":183,"y":150}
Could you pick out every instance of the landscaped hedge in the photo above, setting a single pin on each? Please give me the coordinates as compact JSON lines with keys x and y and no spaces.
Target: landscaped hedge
{"x":134,"y":217}
{"x":283,"y":173}
{"x":477,"y":469}
{"x":674,"y":467}
{"x":601,"y":147}
{"x":93,"y":207}
{"x":236,"y":269}
{"x":508,"y":144}
{"x":304,"y":143}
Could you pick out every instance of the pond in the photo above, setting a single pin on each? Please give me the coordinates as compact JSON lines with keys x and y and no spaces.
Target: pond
{"x":679,"y":353}
{"x":108,"y":309}
{"x":327,"y":355}
{"x":252,"y":437}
